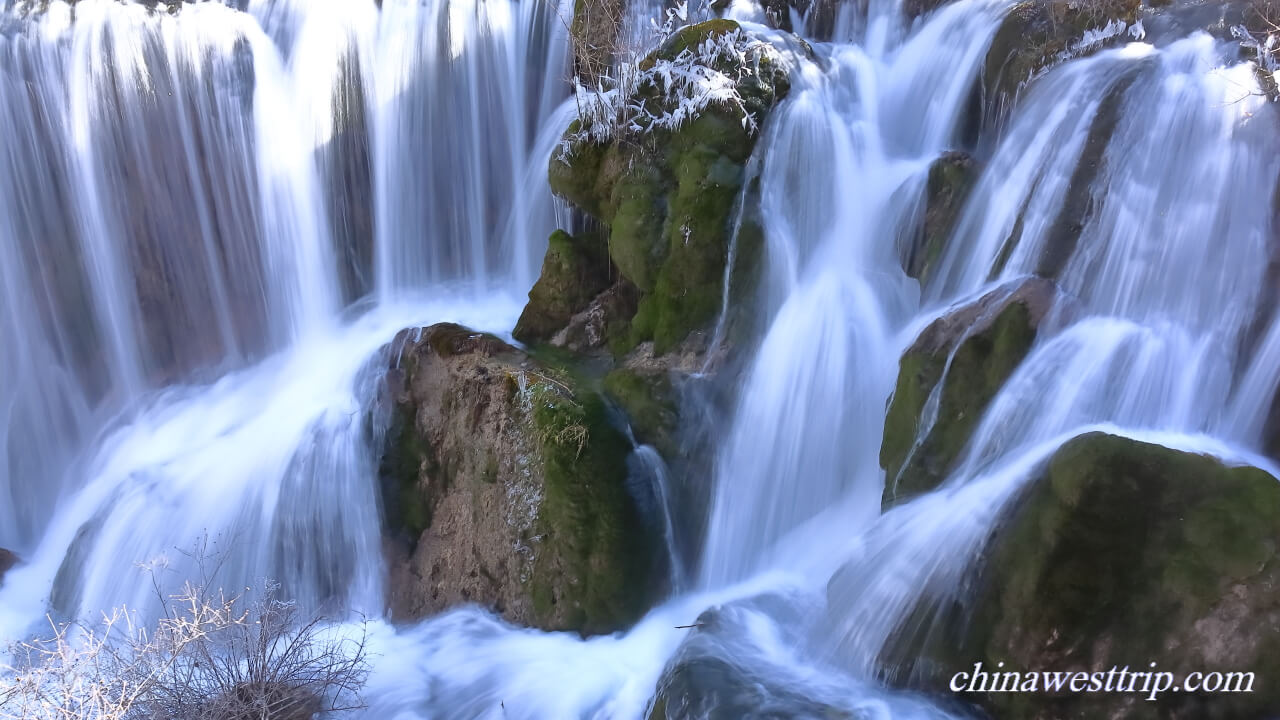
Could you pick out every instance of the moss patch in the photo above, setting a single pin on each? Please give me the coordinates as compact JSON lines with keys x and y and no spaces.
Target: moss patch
{"x":1125,"y":553}
{"x":668,"y":200}
{"x":594,"y":577}
{"x":648,"y":401}
{"x":574,"y":271}
{"x":985,"y":342}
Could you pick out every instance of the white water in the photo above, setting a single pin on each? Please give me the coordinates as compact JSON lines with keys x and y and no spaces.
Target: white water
{"x":235,"y":154}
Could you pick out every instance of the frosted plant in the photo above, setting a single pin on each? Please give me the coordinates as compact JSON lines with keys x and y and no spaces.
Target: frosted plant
{"x":211,"y":656}
{"x":667,"y":93}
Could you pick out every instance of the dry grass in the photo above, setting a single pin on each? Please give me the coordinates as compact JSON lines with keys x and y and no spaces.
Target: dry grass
{"x":209,"y":657}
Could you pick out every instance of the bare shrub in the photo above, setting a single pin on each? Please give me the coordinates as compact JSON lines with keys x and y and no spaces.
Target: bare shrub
{"x":210,"y":657}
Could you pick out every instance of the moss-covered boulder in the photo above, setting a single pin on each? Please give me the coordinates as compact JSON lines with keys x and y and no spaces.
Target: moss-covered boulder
{"x":574,"y":271}
{"x":951,"y":177}
{"x":648,"y":398}
{"x":1123,"y":554}
{"x":505,"y":485}
{"x":1037,"y":34}
{"x":964,"y":357}
{"x":665,"y":195}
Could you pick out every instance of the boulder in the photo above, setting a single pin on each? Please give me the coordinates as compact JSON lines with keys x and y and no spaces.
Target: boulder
{"x":1123,"y":554}
{"x":505,"y":484}
{"x":574,"y":272}
{"x":716,"y":675}
{"x":965,"y":356}
{"x":7,"y":561}
{"x":951,"y":177}
{"x":665,"y":197}
{"x":1038,"y":34}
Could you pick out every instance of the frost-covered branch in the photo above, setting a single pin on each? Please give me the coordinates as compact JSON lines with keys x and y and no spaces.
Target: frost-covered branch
{"x":664,"y":93}
{"x":210,"y":657}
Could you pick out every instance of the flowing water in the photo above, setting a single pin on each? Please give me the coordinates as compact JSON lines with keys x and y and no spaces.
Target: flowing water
{"x":212,"y":221}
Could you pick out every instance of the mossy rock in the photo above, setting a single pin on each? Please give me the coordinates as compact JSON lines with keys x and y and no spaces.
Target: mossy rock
{"x":951,"y":177}
{"x":972,"y":351}
{"x":574,"y":271}
{"x":505,"y":483}
{"x":1123,"y":553}
{"x":649,"y":401}
{"x":1036,"y":33}
{"x":667,"y":198}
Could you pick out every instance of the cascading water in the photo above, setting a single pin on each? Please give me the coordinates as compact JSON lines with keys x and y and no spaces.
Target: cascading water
{"x":196,"y":337}
{"x":195,"y":231}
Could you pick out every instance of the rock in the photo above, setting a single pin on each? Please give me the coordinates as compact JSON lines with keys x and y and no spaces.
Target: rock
{"x":985,"y":342}
{"x":649,"y":401}
{"x":666,"y":198}
{"x":951,"y":177}
{"x":505,"y":484}
{"x":604,"y":324}
{"x":1038,"y":34}
{"x":7,"y":561}
{"x":714,"y":676}
{"x":1123,"y":554}
{"x":574,"y":271}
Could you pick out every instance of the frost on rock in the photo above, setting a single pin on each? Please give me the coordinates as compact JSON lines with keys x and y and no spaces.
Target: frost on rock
{"x":665,"y":93}
{"x":1264,"y":48}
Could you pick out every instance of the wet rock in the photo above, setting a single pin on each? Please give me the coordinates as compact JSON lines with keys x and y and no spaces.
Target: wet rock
{"x":346,"y":161}
{"x":7,"y":561}
{"x":604,"y":324}
{"x":951,"y":177}
{"x":1038,"y":34}
{"x":574,"y":271}
{"x":666,"y":198}
{"x":649,"y":399}
{"x":964,"y":357}
{"x":719,"y":674}
{"x":1125,"y":554}
{"x":505,"y":485}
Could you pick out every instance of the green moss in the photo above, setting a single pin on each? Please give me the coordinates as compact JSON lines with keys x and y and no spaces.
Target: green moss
{"x":574,"y":270}
{"x":981,"y":364}
{"x":573,"y":176}
{"x":1116,"y":556}
{"x":635,"y":228}
{"x":406,"y":457}
{"x":668,"y":199}
{"x":594,"y":579}
{"x":690,"y":37}
{"x":647,"y":400}
{"x":950,"y":179}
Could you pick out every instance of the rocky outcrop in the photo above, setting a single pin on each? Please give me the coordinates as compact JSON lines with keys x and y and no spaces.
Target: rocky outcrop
{"x":505,"y":483}
{"x":1038,"y":34}
{"x":951,"y":177}
{"x":704,"y":681}
{"x":7,"y":561}
{"x":964,"y":357}
{"x":575,"y":271}
{"x":1123,"y":554}
{"x":664,"y":199}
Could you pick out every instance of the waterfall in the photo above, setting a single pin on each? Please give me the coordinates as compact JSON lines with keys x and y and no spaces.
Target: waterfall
{"x":213,"y":220}
{"x":177,"y":268}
